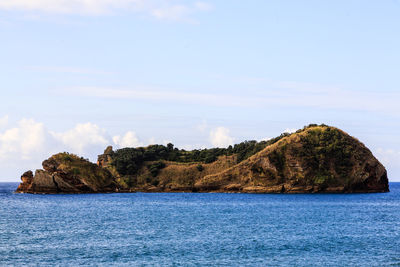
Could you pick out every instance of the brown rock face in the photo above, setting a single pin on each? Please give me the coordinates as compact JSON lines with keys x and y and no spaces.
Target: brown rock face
{"x":67,"y":173}
{"x":50,"y":165}
{"x":105,"y":159}
{"x":318,"y":159}
{"x":26,"y":179}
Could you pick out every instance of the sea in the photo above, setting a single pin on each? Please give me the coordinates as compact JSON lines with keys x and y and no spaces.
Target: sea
{"x":199,"y":229}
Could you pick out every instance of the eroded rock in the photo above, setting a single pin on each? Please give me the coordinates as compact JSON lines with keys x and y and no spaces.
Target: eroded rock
{"x":67,"y":173}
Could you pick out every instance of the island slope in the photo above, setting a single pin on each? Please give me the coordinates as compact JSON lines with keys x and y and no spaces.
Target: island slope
{"x":315,"y":159}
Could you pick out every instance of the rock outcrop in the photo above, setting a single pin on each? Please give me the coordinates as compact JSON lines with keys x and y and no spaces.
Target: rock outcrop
{"x":67,"y":173}
{"x":105,"y":159}
{"x":316,"y":159}
{"x":27,"y":179}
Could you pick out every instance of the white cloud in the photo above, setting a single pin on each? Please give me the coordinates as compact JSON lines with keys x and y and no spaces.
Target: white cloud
{"x":23,"y":141}
{"x":31,"y":141}
{"x":128,"y":140}
{"x":153,"y":141}
{"x":66,"y":7}
{"x":28,"y":143}
{"x":3,"y":121}
{"x":220,"y":137}
{"x":25,"y":145}
{"x":83,"y":137}
{"x":193,"y":147}
{"x":290,"y":130}
{"x":160,"y":9}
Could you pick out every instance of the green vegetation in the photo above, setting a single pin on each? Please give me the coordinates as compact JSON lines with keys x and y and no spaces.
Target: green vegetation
{"x":155,"y":167}
{"x":277,"y":157}
{"x":128,"y":161}
{"x":326,"y":150}
{"x":77,"y":166}
{"x":317,"y":144}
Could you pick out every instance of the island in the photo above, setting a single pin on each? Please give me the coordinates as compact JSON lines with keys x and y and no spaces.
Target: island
{"x":315,"y":159}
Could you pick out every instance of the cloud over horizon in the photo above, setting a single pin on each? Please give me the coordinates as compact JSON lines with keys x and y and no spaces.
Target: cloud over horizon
{"x":29,"y":142}
{"x":220,"y":137}
{"x":130,"y":139}
{"x":290,"y":130}
{"x":159,"y":9}
{"x":26,"y":144}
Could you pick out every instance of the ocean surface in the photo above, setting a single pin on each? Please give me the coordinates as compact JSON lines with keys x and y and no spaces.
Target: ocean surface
{"x":193,"y":229}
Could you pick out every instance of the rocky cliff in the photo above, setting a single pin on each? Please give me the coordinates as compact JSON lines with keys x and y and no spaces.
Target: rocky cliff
{"x":314,"y":159}
{"x":68,"y":173}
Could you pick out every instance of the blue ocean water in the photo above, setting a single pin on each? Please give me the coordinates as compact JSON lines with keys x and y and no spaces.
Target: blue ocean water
{"x":185,"y":229}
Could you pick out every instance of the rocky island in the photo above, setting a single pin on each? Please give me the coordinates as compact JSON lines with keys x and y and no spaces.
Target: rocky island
{"x":315,"y":159}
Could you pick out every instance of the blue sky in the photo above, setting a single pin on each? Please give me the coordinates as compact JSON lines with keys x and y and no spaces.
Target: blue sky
{"x":78,"y":75}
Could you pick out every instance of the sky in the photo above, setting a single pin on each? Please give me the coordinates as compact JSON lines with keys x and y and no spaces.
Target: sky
{"x":79,"y":75}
